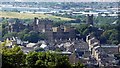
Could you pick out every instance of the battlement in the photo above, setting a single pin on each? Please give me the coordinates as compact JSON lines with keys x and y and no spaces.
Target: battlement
{"x":38,"y":21}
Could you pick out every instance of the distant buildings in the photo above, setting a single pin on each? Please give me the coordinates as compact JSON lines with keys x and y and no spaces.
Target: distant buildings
{"x":90,"y":52}
{"x":44,"y":26}
{"x":104,"y":54}
{"x":16,"y":27}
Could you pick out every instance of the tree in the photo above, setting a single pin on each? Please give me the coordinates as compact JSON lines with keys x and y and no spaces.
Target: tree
{"x":118,"y":27}
{"x":111,"y":36}
{"x":31,"y":59}
{"x":32,"y":36}
{"x":12,"y":57}
{"x":79,"y":65}
{"x":8,"y":35}
{"x":62,"y":62}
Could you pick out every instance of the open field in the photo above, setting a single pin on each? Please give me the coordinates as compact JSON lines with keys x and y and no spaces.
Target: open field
{"x":31,"y":16}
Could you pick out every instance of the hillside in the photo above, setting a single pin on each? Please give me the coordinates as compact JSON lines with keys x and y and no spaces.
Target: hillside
{"x":31,"y":16}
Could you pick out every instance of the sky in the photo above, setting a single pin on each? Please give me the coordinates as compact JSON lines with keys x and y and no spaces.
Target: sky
{"x":59,"y":0}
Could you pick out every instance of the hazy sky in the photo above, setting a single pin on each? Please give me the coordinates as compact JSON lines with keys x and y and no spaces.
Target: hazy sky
{"x":61,"y":0}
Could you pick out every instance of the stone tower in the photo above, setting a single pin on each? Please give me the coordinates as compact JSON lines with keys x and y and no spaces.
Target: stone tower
{"x":89,"y":19}
{"x":43,"y":26}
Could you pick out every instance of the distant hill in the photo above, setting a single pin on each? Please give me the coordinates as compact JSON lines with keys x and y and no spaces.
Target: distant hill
{"x":31,"y":16}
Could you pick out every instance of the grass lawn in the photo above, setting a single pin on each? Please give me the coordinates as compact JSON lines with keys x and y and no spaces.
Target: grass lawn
{"x":31,"y":16}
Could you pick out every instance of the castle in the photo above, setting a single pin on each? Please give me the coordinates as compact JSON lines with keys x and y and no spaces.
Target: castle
{"x":44,"y":26}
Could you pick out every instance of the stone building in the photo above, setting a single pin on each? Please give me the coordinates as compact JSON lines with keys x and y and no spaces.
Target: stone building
{"x":89,"y":19}
{"x":92,"y":41}
{"x":16,"y":27}
{"x":104,"y":54}
{"x":42,"y":25}
{"x":45,"y":26}
{"x":63,"y":33}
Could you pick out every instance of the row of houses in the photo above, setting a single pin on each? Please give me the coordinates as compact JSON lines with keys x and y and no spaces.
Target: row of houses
{"x":103,"y":54}
{"x":75,"y":48}
{"x":90,"y":52}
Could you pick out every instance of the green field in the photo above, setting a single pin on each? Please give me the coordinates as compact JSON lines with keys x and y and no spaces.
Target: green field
{"x":31,"y":16}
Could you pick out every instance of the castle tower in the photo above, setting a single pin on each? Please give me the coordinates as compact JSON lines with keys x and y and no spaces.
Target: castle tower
{"x":48,"y":30}
{"x":43,"y":26}
{"x":89,"y":19}
{"x":35,"y":24}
